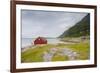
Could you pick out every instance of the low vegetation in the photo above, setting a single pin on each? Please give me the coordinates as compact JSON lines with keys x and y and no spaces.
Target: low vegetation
{"x":35,"y":54}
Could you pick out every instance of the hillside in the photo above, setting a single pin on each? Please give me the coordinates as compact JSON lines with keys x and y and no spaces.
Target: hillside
{"x":82,"y":28}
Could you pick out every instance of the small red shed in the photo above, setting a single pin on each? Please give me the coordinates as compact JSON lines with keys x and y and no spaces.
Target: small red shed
{"x":40,"y":40}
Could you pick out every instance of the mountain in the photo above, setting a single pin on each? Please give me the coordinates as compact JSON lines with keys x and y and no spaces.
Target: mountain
{"x":82,"y":28}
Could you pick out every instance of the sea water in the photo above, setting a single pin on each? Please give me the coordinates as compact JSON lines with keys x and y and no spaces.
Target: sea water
{"x":28,"y":41}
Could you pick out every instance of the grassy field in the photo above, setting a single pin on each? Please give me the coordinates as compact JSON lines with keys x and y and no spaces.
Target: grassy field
{"x":36,"y":54}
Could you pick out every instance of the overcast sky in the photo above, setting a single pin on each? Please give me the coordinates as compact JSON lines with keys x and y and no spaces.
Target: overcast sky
{"x":47,"y":23}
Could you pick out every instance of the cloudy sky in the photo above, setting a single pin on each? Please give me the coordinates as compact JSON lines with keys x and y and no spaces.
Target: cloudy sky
{"x":47,"y":23}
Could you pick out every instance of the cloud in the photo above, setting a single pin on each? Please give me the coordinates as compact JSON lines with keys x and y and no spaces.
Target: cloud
{"x":47,"y":23}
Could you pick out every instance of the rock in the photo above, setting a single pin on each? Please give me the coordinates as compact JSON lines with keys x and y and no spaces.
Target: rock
{"x":47,"y":56}
{"x":53,"y":50}
{"x":71,"y":54}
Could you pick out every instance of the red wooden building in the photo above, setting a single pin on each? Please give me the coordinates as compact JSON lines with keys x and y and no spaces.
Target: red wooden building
{"x":40,"y":40}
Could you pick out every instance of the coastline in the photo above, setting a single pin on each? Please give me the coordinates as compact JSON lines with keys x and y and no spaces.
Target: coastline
{"x":26,"y":48}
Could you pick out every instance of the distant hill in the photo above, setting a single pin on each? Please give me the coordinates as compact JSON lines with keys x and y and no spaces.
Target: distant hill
{"x":82,"y":28}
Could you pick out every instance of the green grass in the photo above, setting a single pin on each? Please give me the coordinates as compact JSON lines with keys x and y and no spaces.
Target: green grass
{"x":59,"y":58}
{"x":82,"y":48}
{"x":36,"y":54}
